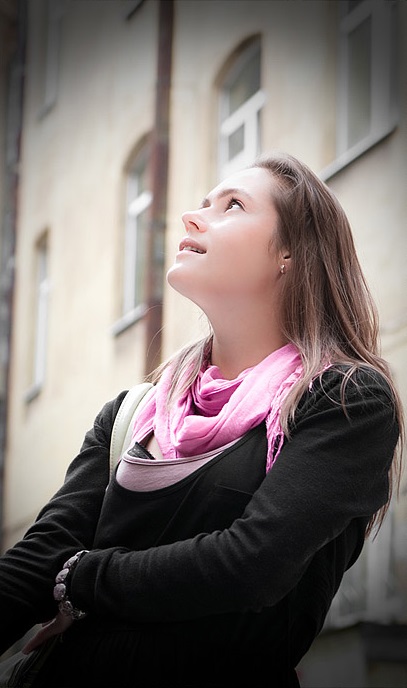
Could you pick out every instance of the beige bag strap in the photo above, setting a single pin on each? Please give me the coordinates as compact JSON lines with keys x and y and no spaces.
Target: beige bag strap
{"x":123,"y":425}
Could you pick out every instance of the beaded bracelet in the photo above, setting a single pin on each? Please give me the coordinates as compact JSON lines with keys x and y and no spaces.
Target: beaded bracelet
{"x":61,"y":587}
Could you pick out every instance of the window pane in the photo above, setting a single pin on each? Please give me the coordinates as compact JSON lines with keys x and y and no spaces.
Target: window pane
{"x":258,"y":118}
{"x":137,"y":181}
{"x":394,"y":61}
{"x":359,"y":82}
{"x":42,"y":314}
{"x":141,"y":179}
{"x":140,"y":257}
{"x":139,"y":200}
{"x":236,"y":142}
{"x":245,"y":84}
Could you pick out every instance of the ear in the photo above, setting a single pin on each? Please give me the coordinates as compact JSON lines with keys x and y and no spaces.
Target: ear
{"x":285,"y":260}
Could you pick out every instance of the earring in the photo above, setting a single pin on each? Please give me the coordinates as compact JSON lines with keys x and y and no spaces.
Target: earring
{"x":282,"y":269}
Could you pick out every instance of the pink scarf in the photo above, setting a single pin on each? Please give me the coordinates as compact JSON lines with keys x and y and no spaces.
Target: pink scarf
{"x":215,"y":411}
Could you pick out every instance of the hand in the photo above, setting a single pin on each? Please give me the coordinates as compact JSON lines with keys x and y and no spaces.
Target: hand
{"x":51,"y":628}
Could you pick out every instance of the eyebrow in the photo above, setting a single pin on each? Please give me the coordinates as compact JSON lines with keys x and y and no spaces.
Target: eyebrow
{"x":233,"y":191}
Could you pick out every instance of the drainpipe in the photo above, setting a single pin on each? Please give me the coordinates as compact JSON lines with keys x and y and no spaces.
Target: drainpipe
{"x":13,"y":50}
{"x":159,"y":185}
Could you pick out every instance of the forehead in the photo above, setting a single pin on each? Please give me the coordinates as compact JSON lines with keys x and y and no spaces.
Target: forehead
{"x":255,"y":181}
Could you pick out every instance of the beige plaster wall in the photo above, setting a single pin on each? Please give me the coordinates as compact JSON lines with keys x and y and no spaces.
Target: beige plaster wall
{"x":72,"y":187}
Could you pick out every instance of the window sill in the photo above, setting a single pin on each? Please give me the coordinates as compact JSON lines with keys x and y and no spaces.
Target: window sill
{"x":133,"y":6}
{"x":128,"y":320}
{"x":355,"y":152}
{"x":46,"y":108}
{"x":33,"y":392}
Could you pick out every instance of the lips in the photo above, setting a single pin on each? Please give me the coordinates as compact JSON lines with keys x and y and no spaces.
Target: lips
{"x":191,"y":245}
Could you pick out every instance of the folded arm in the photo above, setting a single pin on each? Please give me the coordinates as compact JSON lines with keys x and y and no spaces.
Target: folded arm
{"x":66,"y":524}
{"x":333,"y":469}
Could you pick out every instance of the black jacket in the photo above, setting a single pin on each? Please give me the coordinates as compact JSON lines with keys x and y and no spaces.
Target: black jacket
{"x":230,"y":567}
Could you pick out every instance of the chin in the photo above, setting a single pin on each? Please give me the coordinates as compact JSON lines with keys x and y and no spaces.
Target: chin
{"x":171,"y":278}
{"x":176,"y":281}
{"x":182,"y":284}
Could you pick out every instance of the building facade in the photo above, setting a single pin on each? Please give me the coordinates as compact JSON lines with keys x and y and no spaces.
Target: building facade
{"x":131,"y":112}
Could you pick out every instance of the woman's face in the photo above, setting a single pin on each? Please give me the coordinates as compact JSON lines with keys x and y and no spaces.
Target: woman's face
{"x":228,"y":252}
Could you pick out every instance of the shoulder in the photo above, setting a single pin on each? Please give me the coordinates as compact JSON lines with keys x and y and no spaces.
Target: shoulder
{"x":359,"y":396}
{"x":345,"y":385}
{"x":104,"y":420}
{"x":346,"y":428}
{"x":111,"y":408}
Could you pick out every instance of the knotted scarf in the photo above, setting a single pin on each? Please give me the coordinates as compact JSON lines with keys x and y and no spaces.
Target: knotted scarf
{"x":214,"y":412}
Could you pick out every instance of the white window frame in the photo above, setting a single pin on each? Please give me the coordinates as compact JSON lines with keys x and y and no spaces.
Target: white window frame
{"x":247,"y":115}
{"x":133,"y":305}
{"x":383,"y":99}
{"x":41,"y":320}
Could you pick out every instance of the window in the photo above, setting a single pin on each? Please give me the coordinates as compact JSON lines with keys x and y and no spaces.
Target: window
{"x":369,"y":590}
{"x":53,"y":10}
{"x":138,"y":201}
{"x":367,"y":75}
{"x":241,"y":100}
{"x":41,"y":319}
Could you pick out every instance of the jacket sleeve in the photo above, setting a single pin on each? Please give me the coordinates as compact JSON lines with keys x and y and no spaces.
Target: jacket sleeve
{"x":65,"y":525}
{"x":333,"y":469}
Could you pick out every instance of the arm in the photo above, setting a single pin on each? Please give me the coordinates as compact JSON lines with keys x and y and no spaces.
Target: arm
{"x":333,"y":469}
{"x":67,"y":523}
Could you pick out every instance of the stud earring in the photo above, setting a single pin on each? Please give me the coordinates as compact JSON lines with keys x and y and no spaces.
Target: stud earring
{"x":282,"y":269}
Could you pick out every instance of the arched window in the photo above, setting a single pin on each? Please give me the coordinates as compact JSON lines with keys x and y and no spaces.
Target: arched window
{"x":241,"y":101}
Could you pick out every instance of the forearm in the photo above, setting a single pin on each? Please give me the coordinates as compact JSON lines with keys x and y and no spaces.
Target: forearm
{"x":66,"y":524}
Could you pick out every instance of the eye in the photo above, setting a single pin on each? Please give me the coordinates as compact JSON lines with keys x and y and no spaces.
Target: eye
{"x":233,"y":203}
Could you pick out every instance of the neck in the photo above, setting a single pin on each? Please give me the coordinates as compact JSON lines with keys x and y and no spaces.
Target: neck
{"x":242,"y":342}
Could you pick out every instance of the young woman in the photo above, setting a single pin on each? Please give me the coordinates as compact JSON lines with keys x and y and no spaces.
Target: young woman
{"x":259,"y":464}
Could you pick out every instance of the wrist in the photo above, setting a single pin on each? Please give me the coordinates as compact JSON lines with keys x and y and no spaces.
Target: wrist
{"x":62,"y":585}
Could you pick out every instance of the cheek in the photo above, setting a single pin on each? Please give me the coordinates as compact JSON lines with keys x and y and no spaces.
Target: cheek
{"x":256,"y":265}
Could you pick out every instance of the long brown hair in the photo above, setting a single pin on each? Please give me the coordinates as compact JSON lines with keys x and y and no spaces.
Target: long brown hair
{"x":327,"y":309}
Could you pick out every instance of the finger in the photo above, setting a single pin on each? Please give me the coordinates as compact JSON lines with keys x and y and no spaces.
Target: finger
{"x":38,"y":640}
{"x":58,"y":625}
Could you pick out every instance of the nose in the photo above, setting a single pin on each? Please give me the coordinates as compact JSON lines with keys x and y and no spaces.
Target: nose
{"x":193,"y":221}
